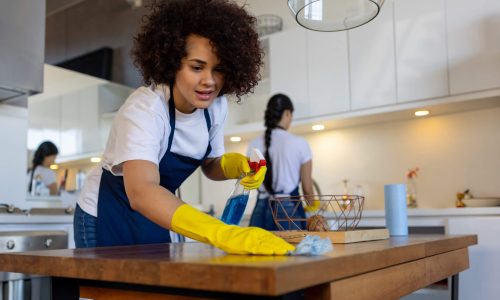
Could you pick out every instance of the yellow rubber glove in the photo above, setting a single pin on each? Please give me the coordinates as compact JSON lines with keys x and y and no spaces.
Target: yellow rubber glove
{"x":194,"y":224}
{"x":313,"y":207}
{"x":234,"y":165}
{"x":251,"y":182}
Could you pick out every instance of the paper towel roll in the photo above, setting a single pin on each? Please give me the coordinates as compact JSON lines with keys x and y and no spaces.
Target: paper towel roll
{"x":396,"y":216}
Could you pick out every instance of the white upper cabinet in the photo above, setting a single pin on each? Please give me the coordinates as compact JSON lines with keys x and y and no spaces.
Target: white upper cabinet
{"x":421,"y":57}
{"x":288,"y":68}
{"x":328,"y":78}
{"x":372,"y":61}
{"x":473,"y":45}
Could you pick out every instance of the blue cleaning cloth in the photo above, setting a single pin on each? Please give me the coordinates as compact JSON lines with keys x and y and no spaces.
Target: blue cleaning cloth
{"x":313,"y":245}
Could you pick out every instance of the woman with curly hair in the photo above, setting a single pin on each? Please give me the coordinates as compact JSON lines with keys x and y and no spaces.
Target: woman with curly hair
{"x":191,"y":54}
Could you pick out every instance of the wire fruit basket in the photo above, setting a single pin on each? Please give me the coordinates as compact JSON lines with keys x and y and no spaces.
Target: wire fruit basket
{"x":335,"y":212}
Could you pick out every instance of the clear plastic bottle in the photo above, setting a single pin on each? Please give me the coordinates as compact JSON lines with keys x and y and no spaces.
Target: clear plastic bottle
{"x":237,"y":202}
{"x":235,"y":205}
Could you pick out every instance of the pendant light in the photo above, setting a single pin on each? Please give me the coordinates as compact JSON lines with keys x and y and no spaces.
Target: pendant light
{"x":334,"y":15}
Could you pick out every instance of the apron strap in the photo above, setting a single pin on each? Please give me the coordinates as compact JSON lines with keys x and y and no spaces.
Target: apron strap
{"x":171,"y":113}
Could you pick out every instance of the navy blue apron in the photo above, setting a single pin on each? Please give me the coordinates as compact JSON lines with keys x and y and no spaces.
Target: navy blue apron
{"x":117,"y":222}
{"x":262,"y":215}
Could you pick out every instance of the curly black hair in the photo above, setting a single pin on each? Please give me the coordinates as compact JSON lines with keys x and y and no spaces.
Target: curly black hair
{"x":161,"y":43}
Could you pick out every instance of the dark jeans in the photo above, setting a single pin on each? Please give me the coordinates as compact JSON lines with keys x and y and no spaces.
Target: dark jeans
{"x":84,"y":226}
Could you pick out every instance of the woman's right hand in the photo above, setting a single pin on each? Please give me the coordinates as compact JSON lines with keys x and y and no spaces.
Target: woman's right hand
{"x":194,"y":224}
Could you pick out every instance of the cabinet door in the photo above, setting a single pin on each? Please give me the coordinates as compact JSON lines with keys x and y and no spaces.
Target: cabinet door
{"x":288,"y":69}
{"x":70,"y":125}
{"x":420,"y":49}
{"x":13,"y":164}
{"x":480,"y":281}
{"x":372,"y":61}
{"x":89,"y":120}
{"x":328,"y":72}
{"x":44,"y":122}
{"x":473,"y":45}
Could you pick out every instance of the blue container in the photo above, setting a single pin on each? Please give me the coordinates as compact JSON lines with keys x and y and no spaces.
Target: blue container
{"x":396,"y":216}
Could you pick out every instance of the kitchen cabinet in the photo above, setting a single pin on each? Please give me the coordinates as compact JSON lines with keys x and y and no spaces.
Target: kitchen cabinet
{"x":443,"y":55}
{"x":473,"y":39}
{"x":78,"y":122}
{"x":43,"y":122}
{"x":312,"y":69}
{"x":372,"y":61}
{"x":327,"y":70}
{"x":288,"y":68}
{"x":480,"y":280}
{"x":421,"y":57}
{"x":13,"y":165}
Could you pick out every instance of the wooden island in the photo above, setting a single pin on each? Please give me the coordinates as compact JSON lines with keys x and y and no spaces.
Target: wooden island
{"x":384,"y":269}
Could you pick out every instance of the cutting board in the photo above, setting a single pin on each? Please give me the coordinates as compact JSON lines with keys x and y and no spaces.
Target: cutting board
{"x":337,"y":237}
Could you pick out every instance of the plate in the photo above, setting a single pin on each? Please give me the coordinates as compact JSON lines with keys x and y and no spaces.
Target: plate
{"x":481,"y":202}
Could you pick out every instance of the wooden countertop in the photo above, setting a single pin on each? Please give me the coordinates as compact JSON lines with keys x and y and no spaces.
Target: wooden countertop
{"x":202,"y":267}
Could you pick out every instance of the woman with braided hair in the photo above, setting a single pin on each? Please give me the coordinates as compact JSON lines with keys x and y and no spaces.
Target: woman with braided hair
{"x":289,"y":161}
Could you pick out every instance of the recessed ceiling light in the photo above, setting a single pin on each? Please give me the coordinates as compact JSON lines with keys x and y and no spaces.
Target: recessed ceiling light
{"x":235,"y":139}
{"x":54,"y":167}
{"x":95,"y":159}
{"x":421,"y":113}
{"x":318,"y":127}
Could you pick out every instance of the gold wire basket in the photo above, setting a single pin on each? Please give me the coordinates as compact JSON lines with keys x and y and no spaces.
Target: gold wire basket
{"x":335,"y":212}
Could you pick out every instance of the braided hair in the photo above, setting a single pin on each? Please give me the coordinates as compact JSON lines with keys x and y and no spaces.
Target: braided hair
{"x":45,"y":149}
{"x":274,"y":111}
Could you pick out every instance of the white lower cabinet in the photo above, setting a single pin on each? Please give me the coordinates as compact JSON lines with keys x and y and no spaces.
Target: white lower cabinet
{"x":480,"y":281}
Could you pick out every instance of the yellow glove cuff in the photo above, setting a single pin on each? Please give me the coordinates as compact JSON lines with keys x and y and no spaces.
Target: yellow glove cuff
{"x":313,"y":207}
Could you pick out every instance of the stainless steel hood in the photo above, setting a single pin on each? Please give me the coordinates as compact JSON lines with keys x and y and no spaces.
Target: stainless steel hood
{"x":22,"y":44}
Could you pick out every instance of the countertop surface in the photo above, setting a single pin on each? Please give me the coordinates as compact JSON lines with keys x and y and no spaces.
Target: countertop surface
{"x":202,"y":267}
{"x":441,"y":212}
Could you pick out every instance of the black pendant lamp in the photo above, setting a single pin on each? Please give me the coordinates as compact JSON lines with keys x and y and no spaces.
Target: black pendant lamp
{"x":334,"y":15}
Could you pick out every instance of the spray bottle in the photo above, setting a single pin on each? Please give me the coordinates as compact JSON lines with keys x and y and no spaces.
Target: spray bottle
{"x":237,"y":202}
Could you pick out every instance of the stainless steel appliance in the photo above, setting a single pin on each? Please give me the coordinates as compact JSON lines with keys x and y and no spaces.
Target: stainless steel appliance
{"x":16,"y":286}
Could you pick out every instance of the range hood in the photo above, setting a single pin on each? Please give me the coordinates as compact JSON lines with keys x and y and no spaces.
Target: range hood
{"x":22,"y":36}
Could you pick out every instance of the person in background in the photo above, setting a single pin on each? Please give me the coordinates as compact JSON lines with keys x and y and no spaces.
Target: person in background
{"x":45,"y":155}
{"x":289,"y":161}
{"x":191,"y":54}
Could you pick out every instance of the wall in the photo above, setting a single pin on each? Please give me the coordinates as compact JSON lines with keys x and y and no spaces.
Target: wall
{"x":454,"y":152}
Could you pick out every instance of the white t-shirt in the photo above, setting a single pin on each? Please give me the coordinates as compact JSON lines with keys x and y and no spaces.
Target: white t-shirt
{"x":48,"y":177}
{"x":141,"y":129}
{"x":288,"y":153}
